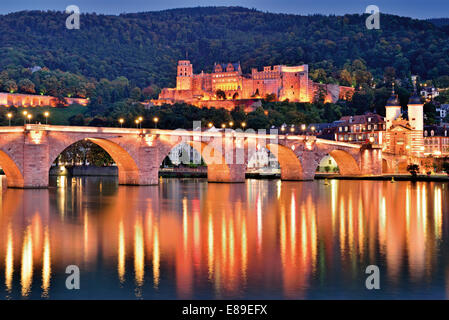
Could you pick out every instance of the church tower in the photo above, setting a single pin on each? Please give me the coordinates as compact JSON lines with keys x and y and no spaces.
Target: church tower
{"x":184,"y":76}
{"x":416,"y":121}
{"x":393,"y":109}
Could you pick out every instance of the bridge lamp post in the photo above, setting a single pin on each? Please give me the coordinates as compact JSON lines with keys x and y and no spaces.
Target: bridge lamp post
{"x":243,"y":125}
{"x":9,"y":115}
{"x":121,"y":121}
{"x":223,"y":125}
{"x":303,"y":127}
{"x":155,"y":120}
{"x":210,"y":124}
{"x":46,"y":115}
{"x":25,"y":117}
{"x":231,"y":124}
{"x":137,"y":123}
{"x":140,"y":122}
{"x":29,"y":116}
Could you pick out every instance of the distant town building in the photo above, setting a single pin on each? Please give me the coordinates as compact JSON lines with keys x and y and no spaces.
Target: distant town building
{"x":35,"y":69}
{"x":429,"y":93}
{"x":228,"y":87}
{"x":436,"y":141}
{"x":365,"y":128}
{"x":442,"y":111}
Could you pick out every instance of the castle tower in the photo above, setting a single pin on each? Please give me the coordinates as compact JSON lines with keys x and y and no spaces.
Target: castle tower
{"x":416,"y":121}
{"x":393,"y":109}
{"x":184,"y":76}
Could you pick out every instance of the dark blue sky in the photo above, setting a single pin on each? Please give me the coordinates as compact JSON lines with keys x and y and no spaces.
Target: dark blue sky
{"x":410,"y":8}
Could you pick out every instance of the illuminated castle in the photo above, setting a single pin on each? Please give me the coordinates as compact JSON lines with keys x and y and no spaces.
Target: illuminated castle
{"x":227,"y":86}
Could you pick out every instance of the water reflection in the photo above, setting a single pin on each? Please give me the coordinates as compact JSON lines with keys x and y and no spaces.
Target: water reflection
{"x":190,"y":239}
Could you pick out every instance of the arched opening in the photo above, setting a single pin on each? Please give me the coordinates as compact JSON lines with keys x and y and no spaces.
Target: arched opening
{"x":291,"y":167}
{"x":217,"y":168}
{"x":347,"y":165}
{"x":183,"y":160}
{"x":128,"y":172}
{"x":328,"y":165}
{"x":14,"y":177}
{"x":264,"y":163}
{"x":385,"y":167}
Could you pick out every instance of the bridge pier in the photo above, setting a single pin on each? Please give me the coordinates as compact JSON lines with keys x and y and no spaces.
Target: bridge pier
{"x":371,"y":161}
{"x":231,"y":173}
{"x":35,"y":163}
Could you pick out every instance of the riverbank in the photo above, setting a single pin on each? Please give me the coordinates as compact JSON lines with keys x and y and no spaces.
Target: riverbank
{"x":201,"y":172}
{"x":387,"y":177}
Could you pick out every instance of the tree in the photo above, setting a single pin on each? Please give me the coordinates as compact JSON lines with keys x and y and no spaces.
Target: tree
{"x":413,"y":169}
{"x":389,"y":74}
{"x":148,"y":92}
{"x":430,"y":114}
{"x":27,"y":86}
{"x":220,"y":94}
{"x":270,"y":97}
{"x":136,"y":94}
{"x":77,"y":120}
{"x":442,"y":82}
{"x":345,"y":78}
{"x":445,"y":167}
{"x":10,"y":86}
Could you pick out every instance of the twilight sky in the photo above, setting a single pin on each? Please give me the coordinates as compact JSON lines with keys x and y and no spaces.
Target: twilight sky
{"x":410,"y":8}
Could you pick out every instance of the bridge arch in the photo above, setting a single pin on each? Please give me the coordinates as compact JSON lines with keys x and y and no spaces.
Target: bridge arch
{"x":128,"y":170}
{"x":346,"y":162}
{"x":218,"y":169}
{"x":291,"y":167}
{"x":14,"y":177}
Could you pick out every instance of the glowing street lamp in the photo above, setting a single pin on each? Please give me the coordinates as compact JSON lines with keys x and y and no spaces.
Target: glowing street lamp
{"x":155,"y":120}
{"x":223,"y":125}
{"x":231,"y":123}
{"x":140,"y":121}
{"x":29,"y":116}
{"x":9,"y":115}
{"x":243,"y":125}
{"x":121,"y":121}
{"x":371,"y":140}
{"x":137,"y":123}
{"x":210,"y":124}
{"x":25,"y":117}
{"x":46,"y":115}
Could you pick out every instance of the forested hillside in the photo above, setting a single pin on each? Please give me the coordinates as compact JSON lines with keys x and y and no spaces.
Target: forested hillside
{"x":144,"y":47}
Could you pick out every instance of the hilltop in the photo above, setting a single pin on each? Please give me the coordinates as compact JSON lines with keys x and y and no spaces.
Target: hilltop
{"x":144,"y":47}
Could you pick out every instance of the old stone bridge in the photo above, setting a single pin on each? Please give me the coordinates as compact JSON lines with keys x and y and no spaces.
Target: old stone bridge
{"x":27,"y":153}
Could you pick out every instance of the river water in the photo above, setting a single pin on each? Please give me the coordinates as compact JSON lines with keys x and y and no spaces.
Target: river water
{"x":189,"y":239}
